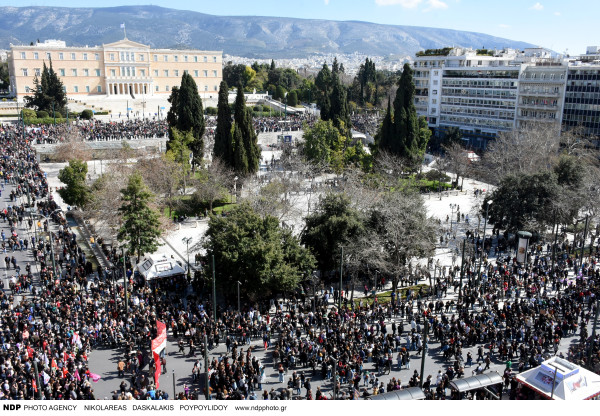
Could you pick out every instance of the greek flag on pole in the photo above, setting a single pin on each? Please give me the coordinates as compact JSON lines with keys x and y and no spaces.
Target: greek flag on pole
{"x":122,"y":25}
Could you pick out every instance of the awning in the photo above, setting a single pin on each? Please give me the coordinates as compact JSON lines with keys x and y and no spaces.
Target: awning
{"x":152,"y":269}
{"x":463,"y":385}
{"x":411,"y":393}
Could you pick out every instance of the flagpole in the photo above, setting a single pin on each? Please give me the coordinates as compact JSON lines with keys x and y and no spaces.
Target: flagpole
{"x":124,"y":31}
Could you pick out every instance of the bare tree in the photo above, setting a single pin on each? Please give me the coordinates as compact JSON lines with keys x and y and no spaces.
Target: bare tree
{"x":525,"y":151}
{"x":73,"y":147}
{"x":163,"y":177}
{"x":214,"y":183}
{"x":457,"y":161}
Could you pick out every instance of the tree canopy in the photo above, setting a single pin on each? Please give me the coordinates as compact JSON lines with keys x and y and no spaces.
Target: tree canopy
{"x":76,"y":191}
{"x":255,"y":251}
{"x":141,"y":227}
{"x":48,"y":92}
{"x":187,"y":115}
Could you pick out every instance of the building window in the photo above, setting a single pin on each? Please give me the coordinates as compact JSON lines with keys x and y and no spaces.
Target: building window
{"x":97,"y":72}
{"x":142,"y":72}
{"x":205,"y":73}
{"x":176,"y":58}
{"x":74,"y":72}
{"x":87,"y":88}
{"x":206,"y":59}
{"x":73,"y":56}
{"x":141,"y":58}
{"x":215,"y":88}
{"x":26,"y":88}
{"x":86,"y":72}
{"x":195,"y":59}
{"x":61,"y":72}
{"x":24,"y":71}
{"x":37,"y":71}
{"x":434,"y":92}
{"x":214,"y":73}
{"x":214,"y":59}
{"x":64,"y":89}
{"x":111,"y":56}
{"x":22,"y":55}
{"x":196,"y":73}
{"x":48,"y":55}
{"x":122,"y":56}
{"x":166,"y":72}
{"x":185,"y":58}
{"x":185,"y":71}
{"x":156,"y":72}
{"x":85,"y":56}
{"x":99,"y":88}
{"x":113,"y":73}
{"x":166,"y":88}
{"x":434,"y":101}
{"x":36,"y":56}
{"x":206,"y":88}
{"x":97,"y":56}
{"x":75,"y":88}
{"x":155,"y":58}
{"x":175,"y":73}
{"x":166,"y":58}
{"x":435,"y":73}
{"x":156,"y":88}
{"x":61,"y":56}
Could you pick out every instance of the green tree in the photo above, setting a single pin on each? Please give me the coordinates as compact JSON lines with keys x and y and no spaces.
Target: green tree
{"x":410,"y":135}
{"x":324,"y":145}
{"x":247,"y":159}
{"x":323,"y":92}
{"x":255,"y":251}
{"x":186,"y":114}
{"x":279,"y":93}
{"x":48,"y":92}
{"x":223,"y":148}
{"x":333,"y":224}
{"x":179,"y":152}
{"x":523,"y":202}
{"x":76,"y":192}
{"x":141,"y":227}
{"x":292,"y":99}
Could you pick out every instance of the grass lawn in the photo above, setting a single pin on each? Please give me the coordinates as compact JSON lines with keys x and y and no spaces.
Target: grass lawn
{"x":386,"y":297}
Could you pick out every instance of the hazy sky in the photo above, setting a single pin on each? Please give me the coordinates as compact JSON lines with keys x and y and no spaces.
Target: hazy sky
{"x":555,"y":24}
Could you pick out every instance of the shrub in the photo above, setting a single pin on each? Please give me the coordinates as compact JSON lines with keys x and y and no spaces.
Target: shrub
{"x":87,"y":114}
{"x":29,"y":113}
{"x":42,"y":114}
{"x":211,"y":111}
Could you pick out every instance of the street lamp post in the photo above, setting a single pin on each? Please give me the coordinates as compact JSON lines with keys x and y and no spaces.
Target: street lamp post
{"x":234,"y":189}
{"x":125,"y":283}
{"x":238,"y":293}
{"x":187,"y":241}
{"x":341,"y":272}
{"x":452,"y":206}
{"x":487,"y":207}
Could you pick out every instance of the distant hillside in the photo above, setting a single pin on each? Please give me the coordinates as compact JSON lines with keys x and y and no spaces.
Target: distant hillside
{"x":249,"y":36}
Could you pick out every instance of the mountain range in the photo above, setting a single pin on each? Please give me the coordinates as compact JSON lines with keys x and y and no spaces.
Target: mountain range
{"x":248,"y":36}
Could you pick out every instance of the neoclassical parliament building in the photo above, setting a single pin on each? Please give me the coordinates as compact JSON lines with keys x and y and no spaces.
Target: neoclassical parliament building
{"x":121,"y":69}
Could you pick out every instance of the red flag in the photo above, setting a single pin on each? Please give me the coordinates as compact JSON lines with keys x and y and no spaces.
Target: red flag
{"x":158,"y":369}
{"x":34,"y":385}
{"x":160,"y":342}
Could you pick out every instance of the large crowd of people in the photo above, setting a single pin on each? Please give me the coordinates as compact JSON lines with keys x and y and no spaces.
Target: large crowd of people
{"x":57,"y":310}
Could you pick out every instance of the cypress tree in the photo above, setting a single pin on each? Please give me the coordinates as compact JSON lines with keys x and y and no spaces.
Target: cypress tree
{"x":247,"y":152}
{"x":387,"y":130}
{"x":223,"y":148}
{"x":191,"y":116}
{"x":406,"y":122}
{"x":339,"y":106}
{"x":241,"y":160}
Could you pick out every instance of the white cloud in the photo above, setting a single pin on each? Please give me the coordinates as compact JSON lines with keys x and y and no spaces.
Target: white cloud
{"x":326,"y":2}
{"x":503,"y":26}
{"x":409,"y":4}
{"x":436,"y":4}
{"x":538,"y":6}
{"x":556,"y":13}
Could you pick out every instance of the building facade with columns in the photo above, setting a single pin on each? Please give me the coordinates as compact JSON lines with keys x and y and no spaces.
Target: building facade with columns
{"x":121,"y":69}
